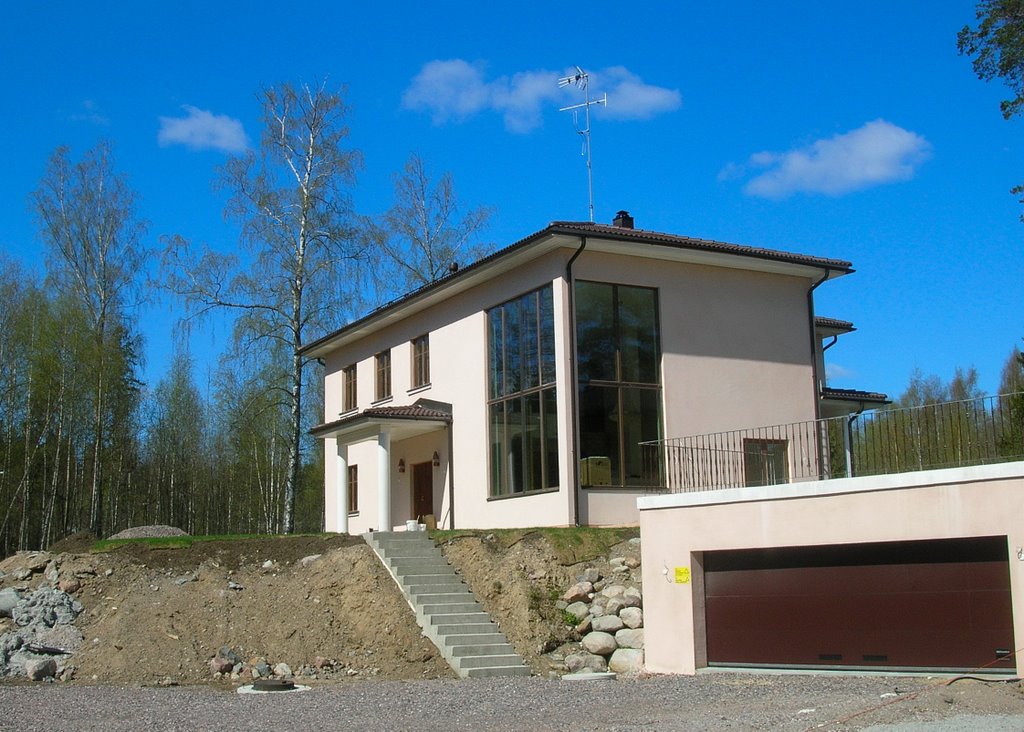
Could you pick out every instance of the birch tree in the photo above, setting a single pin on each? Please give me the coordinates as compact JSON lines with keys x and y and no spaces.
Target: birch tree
{"x":419,"y":239}
{"x":297,"y":275}
{"x":87,"y":217}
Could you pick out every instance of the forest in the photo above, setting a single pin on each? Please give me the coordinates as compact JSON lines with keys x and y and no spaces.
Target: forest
{"x":85,"y":445}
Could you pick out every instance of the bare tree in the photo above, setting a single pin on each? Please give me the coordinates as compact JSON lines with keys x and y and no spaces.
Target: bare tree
{"x":86,"y":214}
{"x":422,"y":235}
{"x":291,"y":200}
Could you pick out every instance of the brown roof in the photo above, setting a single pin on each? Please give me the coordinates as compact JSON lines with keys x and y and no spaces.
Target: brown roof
{"x":833,"y":324}
{"x":412,"y":412}
{"x":617,"y":233}
{"x":854,"y":395}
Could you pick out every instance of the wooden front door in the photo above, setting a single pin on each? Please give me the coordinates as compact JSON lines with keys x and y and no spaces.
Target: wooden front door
{"x":422,"y":489}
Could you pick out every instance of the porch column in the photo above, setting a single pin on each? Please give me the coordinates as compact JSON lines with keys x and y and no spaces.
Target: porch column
{"x":384,"y":481}
{"x":342,"y":479}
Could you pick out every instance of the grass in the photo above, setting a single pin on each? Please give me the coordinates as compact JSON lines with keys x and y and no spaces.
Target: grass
{"x":571,"y":545}
{"x":183,"y":542}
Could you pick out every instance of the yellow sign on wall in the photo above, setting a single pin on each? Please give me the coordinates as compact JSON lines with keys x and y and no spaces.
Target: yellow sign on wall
{"x":682,"y":575}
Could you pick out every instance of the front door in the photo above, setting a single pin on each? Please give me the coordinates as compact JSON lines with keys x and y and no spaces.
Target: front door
{"x":422,"y":489}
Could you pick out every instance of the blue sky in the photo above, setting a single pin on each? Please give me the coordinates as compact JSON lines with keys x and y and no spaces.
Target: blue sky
{"x":847,"y":130}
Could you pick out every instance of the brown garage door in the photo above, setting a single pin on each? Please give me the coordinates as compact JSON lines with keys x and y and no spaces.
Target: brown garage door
{"x":929,"y":604}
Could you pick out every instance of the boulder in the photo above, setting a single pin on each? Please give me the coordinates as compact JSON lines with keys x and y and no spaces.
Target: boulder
{"x":70,"y":585}
{"x":38,"y":669}
{"x":632,"y":562}
{"x":630,"y":638}
{"x":590,"y":574}
{"x":607,"y":623}
{"x":627,"y":661}
{"x":632,"y":598}
{"x":613,"y":590}
{"x":614,"y":605}
{"x":576,"y":662}
{"x":9,"y":597}
{"x":579,"y":609}
{"x":219,"y":665}
{"x":579,"y":592}
{"x":283,"y":670}
{"x":632,"y":617}
{"x":307,"y":561}
{"x":599,"y":643}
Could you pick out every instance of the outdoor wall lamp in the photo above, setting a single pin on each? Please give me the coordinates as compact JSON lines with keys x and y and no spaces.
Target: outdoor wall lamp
{"x":436,"y":460}
{"x":401,"y":465}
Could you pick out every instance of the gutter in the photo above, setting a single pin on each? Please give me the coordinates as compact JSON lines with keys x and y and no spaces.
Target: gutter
{"x":574,"y":472}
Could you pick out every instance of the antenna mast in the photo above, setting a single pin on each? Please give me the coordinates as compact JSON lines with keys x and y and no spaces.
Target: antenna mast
{"x":580,"y":80}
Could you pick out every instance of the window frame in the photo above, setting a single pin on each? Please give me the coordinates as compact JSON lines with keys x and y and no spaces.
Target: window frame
{"x":382,"y":371}
{"x":420,"y":348}
{"x":353,"y":490}
{"x":349,"y":388}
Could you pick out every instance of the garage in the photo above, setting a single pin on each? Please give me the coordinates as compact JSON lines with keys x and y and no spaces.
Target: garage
{"x":942,"y":604}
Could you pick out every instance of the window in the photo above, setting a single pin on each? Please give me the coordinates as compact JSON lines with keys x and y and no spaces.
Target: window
{"x":383,"y":363}
{"x":765,"y":462}
{"x":420,"y":361}
{"x":618,"y":365}
{"x":348,"y":375}
{"x":353,"y":489}
{"x":523,"y":423}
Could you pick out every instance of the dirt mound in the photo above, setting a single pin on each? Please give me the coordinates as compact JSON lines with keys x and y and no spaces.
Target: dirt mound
{"x":147,"y":532}
{"x":159,"y":615}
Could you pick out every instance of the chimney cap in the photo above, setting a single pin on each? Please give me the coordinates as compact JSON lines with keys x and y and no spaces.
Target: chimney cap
{"x":623,"y":220}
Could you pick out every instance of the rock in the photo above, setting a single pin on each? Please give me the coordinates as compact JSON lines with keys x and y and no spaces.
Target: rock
{"x":632,"y":597}
{"x":234,"y":586}
{"x":620,"y":569}
{"x":635,"y":541}
{"x":598,"y":609}
{"x":321,"y":662}
{"x":261,"y":669}
{"x":283,"y":670}
{"x":561,"y":604}
{"x":579,"y":609}
{"x":590,"y":574}
{"x":599,"y":643}
{"x":9,"y":597}
{"x":219,"y":665}
{"x":269,"y":564}
{"x":613,"y":590}
{"x":584,"y":627}
{"x":52,"y":571}
{"x":615,"y":604}
{"x":632,"y":562}
{"x":46,"y":606}
{"x":38,"y":669}
{"x":607,"y":623}
{"x":578,"y":592}
{"x":630,"y":638}
{"x":70,"y":586}
{"x":632,"y":617}
{"x":585,"y":662}
{"x":307,"y":561}
{"x":617,"y":561}
{"x":186,"y":578}
{"x":21,"y":574}
{"x":627,"y":661}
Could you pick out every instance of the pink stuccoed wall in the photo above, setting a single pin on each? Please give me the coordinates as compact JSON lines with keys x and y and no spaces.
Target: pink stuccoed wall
{"x":939,"y":504}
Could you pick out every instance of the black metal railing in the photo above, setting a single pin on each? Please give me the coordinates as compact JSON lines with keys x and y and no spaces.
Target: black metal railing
{"x":886,"y":441}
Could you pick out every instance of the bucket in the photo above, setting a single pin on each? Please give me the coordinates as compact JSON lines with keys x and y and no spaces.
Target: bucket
{"x":412,"y":525}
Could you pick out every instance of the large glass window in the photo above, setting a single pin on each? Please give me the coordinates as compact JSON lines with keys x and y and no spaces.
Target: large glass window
{"x":349,"y":380}
{"x":618,"y":356}
{"x":420,"y":361}
{"x":521,"y":389}
{"x":382,"y":361}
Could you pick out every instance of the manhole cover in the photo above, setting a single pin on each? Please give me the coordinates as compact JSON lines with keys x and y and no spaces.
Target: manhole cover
{"x":273,"y":685}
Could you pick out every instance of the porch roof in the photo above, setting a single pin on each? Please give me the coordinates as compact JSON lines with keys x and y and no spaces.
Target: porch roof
{"x":402,"y":421}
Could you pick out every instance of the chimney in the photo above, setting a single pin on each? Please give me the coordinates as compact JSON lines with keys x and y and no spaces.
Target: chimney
{"x":623,"y":220}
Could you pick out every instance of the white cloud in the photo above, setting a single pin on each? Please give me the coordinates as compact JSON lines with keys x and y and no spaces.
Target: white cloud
{"x":876,"y":153}
{"x":201,"y":129}
{"x":456,"y":89}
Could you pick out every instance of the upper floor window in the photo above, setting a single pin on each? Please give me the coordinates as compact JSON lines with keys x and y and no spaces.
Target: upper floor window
{"x":619,"y":371}
{"x":353,"y":489}
{"x":382,"y":362}
{"x":348,"y":377}
{"x":522,"y":411}
{"x":420,"y":361}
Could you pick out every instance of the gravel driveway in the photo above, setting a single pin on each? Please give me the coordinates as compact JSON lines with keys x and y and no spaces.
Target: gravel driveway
{"x":712,"y":701}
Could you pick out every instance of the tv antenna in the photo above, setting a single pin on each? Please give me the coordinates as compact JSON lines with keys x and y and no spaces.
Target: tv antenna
{"x":581,"y":81}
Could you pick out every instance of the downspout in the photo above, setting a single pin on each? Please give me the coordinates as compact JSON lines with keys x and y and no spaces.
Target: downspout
{"x":814,"y":343}
{"x":451,"y":479}
{"x":574,"y":394}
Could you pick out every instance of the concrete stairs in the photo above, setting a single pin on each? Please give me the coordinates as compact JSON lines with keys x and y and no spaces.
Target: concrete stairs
{"x":445,"y":607}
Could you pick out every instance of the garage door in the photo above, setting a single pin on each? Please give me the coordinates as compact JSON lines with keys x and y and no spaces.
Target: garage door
{"x":932,"y":605}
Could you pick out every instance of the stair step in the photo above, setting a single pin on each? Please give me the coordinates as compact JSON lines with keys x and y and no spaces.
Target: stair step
{"x":436,"y":588}
{"x":466,"y":629}
{"x":509,"y":659}
{"x":449,"y":608}
{"x":474,"y":639}
{"x":491,"y":671}
{"x":491,"y":649}
{"x":451,"y":618}
{"x":444,"y":598}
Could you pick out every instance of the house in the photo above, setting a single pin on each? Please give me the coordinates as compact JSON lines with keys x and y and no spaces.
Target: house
{"x":518,"y":390}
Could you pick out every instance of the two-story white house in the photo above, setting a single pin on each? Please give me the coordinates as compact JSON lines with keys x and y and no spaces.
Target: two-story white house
{"x":517,"y":390}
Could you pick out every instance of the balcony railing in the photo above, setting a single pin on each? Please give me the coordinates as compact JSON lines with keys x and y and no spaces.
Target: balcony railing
{"x":896,"y":440}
